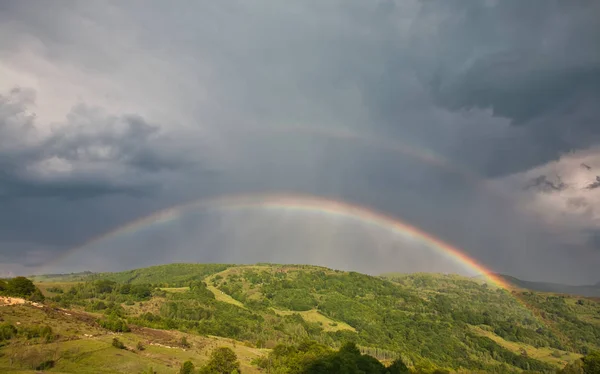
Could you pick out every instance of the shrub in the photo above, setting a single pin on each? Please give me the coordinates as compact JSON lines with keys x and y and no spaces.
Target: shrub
{"x":45,"y":365}
{"x":184,"y":343}
{"x":114,"y":324}
{"x":118,"y":344}
{"x":187,"y":368}
{"x":7,"y":331}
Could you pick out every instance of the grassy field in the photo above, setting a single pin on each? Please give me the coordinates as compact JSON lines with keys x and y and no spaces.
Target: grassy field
{"x":314,"y":316}
{"x":84,"y":347}
{"x":175,"y":289}
{"x":545,"y":354}
{"x":222,"y":296}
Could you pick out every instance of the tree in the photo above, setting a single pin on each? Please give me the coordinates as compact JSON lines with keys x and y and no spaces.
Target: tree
{"x":187,"y":368}
{"x":184,"y":343}
{"x":397,"y":367}
{"x":222,"y":361}
{"x":591,"y":363}
{"x":20,"y":286}
{"x":104,"y":286}
{"x":37,"y":296}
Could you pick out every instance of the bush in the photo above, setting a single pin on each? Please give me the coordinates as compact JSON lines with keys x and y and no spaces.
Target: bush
{"x":114,"y":324}
{"x":118,"y":344}
{"x":37,"y":296}
{"x":187,"y":368}
{"x":44,"y":332}
{"x":222,"y":360}
{"x":45,"y":365}
{"x":7,"y":331}
{"x":20,"y":286}
{"x":184,"y":343}
{"x":591,"y":363}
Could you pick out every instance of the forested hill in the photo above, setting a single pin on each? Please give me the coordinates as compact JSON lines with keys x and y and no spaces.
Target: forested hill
{"x":424,"y":321}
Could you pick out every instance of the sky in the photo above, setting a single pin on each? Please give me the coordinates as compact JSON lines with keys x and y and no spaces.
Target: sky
{"x":474,"y":121}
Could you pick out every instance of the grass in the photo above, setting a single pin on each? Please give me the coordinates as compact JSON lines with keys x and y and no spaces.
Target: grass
{"x":222,"y":296}
{"x":83,"y":347}
{"x":544,"y":354}
{"x":175,"y":289}
{"x":315,"y":316}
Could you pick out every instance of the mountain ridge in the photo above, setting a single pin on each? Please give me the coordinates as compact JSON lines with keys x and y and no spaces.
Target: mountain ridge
{"x":592,"y":290}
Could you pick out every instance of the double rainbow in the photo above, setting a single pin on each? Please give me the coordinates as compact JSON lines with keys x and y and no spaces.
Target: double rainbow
{"x":300,"y":203}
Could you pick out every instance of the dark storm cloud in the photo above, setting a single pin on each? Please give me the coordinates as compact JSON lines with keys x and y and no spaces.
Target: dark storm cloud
{"x":535,"y":63}
{"x":200,"y":75}
{"x":86,"y":148}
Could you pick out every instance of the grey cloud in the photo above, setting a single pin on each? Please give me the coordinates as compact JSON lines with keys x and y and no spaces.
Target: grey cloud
{"x":594,"y":184}
{"x":544,"y":184}
{"x":535,"y":64}
{"x":92,"y":151}
{"x":214,"y":70}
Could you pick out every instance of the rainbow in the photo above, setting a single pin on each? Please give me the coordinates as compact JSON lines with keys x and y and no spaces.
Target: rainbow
{"x":343,"y":134}
{"x":299,"y":203}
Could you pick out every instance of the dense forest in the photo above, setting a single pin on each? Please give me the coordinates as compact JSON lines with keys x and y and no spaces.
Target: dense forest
{"x":307,"y":319}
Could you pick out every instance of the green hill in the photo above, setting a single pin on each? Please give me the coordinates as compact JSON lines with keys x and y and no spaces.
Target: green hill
{"x":428,"y":321}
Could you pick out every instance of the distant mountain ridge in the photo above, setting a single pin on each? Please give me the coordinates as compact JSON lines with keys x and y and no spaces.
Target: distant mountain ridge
{"x":592,"y":290}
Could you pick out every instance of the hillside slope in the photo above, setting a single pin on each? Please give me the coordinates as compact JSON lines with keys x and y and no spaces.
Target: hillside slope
{"x":428,"y":320}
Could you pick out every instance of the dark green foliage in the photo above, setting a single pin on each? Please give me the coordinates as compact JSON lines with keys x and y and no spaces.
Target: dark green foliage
{"x":7,"y":331}
{"x":37,"y":296}
{"x":114,"y":323}
{"x":591,"y":363}
{"x":20,"y":286}
{"x":294,"y":299}
{"x":118,"y":344}
{"x":104,"y":286}
{"x":45,"y":365}
{"x":347,"y":360}
{"x":187,"y":368}
{"x":398,"y":367}
{"x":312,"y":357}
{"x":99,"y":306}
{"x":140,"y":291}
{"x":222,"y":361}
{"x":55,"y":290}
{"x":44,"y":332}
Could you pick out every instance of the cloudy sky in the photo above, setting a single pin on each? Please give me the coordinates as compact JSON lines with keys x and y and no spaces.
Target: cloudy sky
{"x":475,"y":121}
